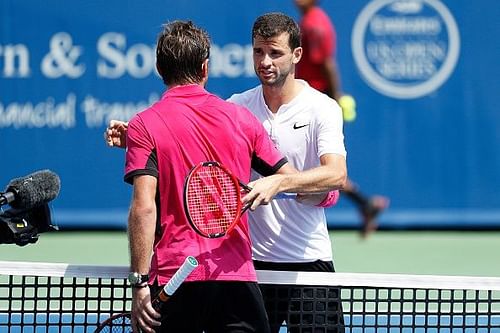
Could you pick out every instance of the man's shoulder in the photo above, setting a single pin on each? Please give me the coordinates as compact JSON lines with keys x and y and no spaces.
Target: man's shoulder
{"x":315,"y":95}
{"x":317,"y":19}
{"x":147,"y":112}
{"x":246,"y":97}
{"x":319,"y":13}
{"x":319,"y":103}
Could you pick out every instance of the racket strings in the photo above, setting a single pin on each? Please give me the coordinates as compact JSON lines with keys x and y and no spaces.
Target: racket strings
{"x":119,"y":323}
{"x":213,"y":199}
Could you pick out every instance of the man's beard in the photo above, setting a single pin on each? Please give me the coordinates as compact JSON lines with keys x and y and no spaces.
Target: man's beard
{"x":278,"y":82}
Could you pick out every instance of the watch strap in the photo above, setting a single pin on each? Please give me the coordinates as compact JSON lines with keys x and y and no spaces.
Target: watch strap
{"x":138,"y":280}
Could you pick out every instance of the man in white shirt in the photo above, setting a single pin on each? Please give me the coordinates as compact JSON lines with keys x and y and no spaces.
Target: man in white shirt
{"x":306,"y":126}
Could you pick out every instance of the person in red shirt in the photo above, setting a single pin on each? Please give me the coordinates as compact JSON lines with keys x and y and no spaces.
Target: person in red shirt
{"x":318,"y":67}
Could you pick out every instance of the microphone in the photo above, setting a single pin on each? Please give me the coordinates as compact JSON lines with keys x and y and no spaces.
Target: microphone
{"x":31,"y":191}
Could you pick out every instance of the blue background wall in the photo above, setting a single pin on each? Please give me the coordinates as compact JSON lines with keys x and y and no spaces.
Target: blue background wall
{"x":66,"y":68}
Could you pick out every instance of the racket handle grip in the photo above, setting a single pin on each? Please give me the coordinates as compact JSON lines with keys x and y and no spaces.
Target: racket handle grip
{"x":284,"y":195}
{"x":169,"y":289}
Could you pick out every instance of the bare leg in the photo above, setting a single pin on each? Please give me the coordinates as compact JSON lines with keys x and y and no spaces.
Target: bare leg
{"x":369,"y":207}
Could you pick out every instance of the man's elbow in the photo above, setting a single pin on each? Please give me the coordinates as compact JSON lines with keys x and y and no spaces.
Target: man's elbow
{"x":341,"y":179}
{"x":337,"y":180}
{"x":142,"y":212}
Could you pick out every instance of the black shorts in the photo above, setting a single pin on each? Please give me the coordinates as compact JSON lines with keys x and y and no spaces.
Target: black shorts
{"x":304,"y":309}
{"x":214,"y":307}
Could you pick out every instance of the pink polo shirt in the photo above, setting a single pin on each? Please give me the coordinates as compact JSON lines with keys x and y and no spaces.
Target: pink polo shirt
{"x":187,"y":126}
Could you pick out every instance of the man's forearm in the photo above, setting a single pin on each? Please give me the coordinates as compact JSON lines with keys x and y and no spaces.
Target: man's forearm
{"x":330,"y":175}
{"x":320,"y":179}
{"x":141,"y":231}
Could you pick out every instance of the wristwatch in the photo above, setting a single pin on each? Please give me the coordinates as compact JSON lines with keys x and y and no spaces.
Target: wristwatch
{"x":137,"y":280}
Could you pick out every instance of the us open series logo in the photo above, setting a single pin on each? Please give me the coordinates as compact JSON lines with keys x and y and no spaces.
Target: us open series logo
{"x":405,"y":48}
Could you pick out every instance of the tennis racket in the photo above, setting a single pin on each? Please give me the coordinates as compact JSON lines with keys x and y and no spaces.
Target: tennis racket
{"x":121,"y":322}
{"x":212,"y":199}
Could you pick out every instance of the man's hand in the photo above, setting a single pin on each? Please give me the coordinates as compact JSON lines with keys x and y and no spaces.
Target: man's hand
{"x":116,"y":133}
{"x":144,"y":317}
{"x":263,"y":190}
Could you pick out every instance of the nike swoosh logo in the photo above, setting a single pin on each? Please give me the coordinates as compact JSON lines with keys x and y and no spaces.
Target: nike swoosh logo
{"x":296,"y":126}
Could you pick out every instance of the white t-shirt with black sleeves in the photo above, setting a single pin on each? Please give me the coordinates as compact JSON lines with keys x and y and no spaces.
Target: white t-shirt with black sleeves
{"x":303,"y":130}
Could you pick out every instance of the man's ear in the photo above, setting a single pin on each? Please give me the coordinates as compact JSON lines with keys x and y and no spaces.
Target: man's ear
{"x":297,"y":54}
{"x":204,"y":71}
{"x":158,"y":70}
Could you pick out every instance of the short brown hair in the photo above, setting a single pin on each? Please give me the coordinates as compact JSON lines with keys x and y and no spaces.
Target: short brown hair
{"x":181,"y":49}
{"x":274,"y":24}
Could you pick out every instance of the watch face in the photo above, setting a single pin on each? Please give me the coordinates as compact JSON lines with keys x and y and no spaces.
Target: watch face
{"x":134,"y":278}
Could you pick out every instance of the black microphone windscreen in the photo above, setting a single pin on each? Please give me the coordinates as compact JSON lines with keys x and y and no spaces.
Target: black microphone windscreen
{"x":35,"y":189}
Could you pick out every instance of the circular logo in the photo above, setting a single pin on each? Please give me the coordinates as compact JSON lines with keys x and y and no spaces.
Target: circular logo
{"x":405,"y":48}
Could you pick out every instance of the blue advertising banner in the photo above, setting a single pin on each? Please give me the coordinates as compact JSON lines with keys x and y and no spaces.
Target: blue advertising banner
{"x":424,"y":74}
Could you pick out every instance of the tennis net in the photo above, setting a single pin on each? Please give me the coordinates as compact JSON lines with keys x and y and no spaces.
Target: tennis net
{"x":49,"y":297}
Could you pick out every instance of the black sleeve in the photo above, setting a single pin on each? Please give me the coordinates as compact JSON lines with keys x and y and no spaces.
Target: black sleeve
{"x":150,"y":169}
{"x":265,"y":169}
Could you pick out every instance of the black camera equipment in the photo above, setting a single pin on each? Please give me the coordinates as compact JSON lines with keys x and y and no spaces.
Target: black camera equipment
{"x":22,"y":227}
{"x":29,"y":214}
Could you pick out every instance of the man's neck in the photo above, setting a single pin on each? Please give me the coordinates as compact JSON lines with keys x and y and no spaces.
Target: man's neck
{"x":276,"y":96}
{"x":305,"y":10}
{"x":182,"y":87}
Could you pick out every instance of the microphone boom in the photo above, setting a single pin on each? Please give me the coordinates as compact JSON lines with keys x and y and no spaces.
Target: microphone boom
{"x":33,"y":190}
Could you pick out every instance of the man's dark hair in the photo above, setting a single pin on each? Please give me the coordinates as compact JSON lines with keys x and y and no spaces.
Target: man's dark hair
{"x":274,"y":24}
{"x":180,"y":51}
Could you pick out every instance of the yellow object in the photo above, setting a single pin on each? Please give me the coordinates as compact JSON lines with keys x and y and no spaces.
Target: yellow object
{"x":348,"y":105}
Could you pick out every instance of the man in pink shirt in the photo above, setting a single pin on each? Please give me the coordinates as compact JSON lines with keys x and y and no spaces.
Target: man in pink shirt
{"x":187,"y":126}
